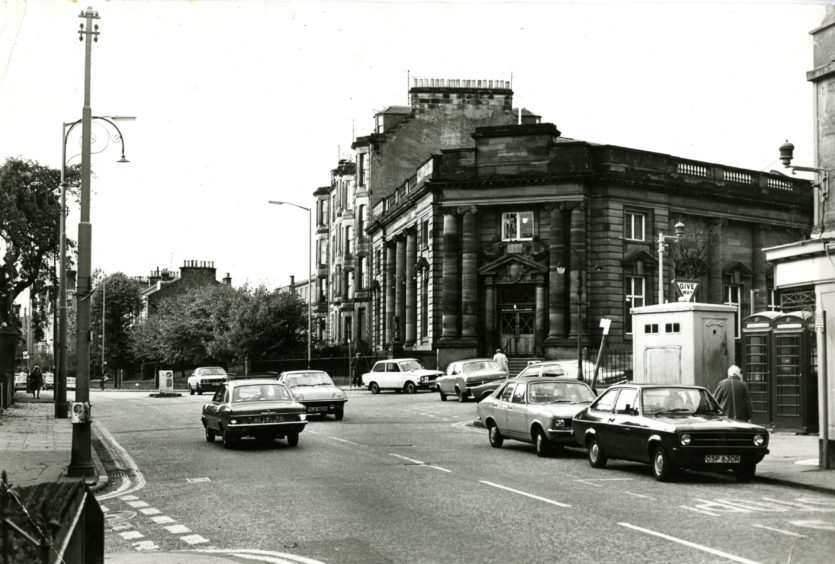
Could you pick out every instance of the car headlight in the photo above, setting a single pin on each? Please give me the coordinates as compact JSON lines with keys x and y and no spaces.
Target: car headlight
{"x":233,"y":421}
{"x":557,"y":423}
{"x":298,"y":395}
{"x":338,"y":395}
{"x":303,"y":417}
{"x":685,"y":439}
{"x":759,"y":440}
{"x":423,"y":378}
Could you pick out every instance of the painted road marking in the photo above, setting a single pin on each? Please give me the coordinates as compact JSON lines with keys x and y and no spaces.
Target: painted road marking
{"x":104,"y":508}
{"x":137,"y":504}
{"x":177,"y":529}
{"x":639,"y":495}
{"x":121,"y":527}
{"x":781,"y":531}
{"x":150,"y":511}
{"x":128,"y":498}
{"x":130,"y":535}
{"x":162,"y":520}
{"x":590,"y":481}
{"x":420,"y":463}
{"x":145,"y":545}
{"x":532,"y":496}
{"x":193,"y":539}
{"x":344,"y":441}
{"x":111,"y":445}
{"x":717,"y":507}
{"x":198,"y":480}
{"x":263,"y":555}
{"x":690,"y":544}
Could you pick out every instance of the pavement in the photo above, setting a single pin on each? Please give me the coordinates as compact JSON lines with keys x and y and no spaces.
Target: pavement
{"x":35,"y":447}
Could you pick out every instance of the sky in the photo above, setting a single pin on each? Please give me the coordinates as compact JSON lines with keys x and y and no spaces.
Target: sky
{"x":241,"y":102}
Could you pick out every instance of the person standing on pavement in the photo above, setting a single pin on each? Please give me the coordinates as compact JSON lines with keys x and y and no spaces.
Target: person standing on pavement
{"x":500,"y":359}
{"x":36,"y":382}
{"x":357,"y":371}
{"x":732,"y":394}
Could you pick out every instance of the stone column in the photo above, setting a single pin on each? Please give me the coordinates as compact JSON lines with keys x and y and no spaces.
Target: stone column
{"x":490,"y":338}
{"x":400,"y":289}
{"x":556,"y":281}
{"x":541,"y":318}
{"x":411,"y":287}
{"x":575,"y":259}
{"x":714,"y":277}
{"x":449,"y":320}
{"x":388,"y":287}
{"x":758,"y":266}
{"x":469,"y":275}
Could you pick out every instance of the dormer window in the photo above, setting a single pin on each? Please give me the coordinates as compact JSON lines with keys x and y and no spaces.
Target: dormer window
{"x":517,"y":226}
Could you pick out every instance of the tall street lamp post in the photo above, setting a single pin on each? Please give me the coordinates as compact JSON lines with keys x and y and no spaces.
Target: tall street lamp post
{"x":309,"y":271}
{"x":662,"y":244}
{"x":61,"y":405}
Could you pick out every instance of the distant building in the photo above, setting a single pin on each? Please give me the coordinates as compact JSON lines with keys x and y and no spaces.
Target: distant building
{"x":162,"y":284}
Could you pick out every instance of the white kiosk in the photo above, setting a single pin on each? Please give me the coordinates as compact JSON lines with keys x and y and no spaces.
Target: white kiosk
{"x":682,"y":343}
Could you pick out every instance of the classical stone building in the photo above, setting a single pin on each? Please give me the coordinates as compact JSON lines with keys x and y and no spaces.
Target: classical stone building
{"x":527,"y":239}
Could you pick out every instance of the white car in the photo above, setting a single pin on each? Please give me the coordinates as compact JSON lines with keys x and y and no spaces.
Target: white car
{"x":48,"y":380}
{"x":20,"y":381}
{"x":315,"y":390}
{"x":475,"y":377}
{"x":206,"y":378}
{"x":399,"y":374}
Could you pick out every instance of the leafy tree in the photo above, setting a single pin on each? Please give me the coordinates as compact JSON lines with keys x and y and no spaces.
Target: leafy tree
{"x":269,"y":323}
{"x":117,"y":296}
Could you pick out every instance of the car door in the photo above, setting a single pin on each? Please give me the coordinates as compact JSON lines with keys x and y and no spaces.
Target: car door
{"x":212,"y":407}
{"x":447,"y":382}
{"x":502,"y":405}
{"x":600,"y":417}
{"x":517,"y":413}
{"x":392,"y":375}
{"x":626,"y":428}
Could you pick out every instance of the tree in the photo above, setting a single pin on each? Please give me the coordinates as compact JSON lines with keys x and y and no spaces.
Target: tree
{"x":269,"y":323}
{"x":29,"y":228}
{"x":118,"y":297}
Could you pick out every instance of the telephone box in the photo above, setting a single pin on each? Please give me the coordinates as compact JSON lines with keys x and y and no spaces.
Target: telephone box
{"x":794,"y":393}
{"x":758,"y":362}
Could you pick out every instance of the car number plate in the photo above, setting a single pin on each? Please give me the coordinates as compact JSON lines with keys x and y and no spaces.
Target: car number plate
{"x":318,"y":408}
{"x":722,"y":458}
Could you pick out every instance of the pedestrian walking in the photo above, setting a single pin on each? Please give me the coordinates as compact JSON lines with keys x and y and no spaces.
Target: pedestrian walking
{"x":500,"y":359}
{"x":732,"y":394}
{"x":358,"y":370}
{"x":35,"y":382}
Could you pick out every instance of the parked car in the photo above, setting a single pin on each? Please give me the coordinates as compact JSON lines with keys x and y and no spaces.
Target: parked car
{"x":474,"y":377}
{"x":555,"y":368}
{"x":20,"y":381}
{"x":535,"y":409}
{"x":258,"y":407}
{"x":206,"y":379}
{"x":668,"y":427}
{"x":48,"y":380}
{"x":400,"y":374}
{"x":316,"y":391}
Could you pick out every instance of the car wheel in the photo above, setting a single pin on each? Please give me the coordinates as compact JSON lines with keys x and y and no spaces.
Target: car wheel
{"x":338,"y":414}
{"x":495,"y":436}
{"x":460,"y":395}
{"x":745,"y":472}
{"x":292,"y":439}
{"x":597,"y":457}
{"x":410,"y":388}
{"x":543,"y":447}
{"x":228,"y":438}
{"x":441,"y":392}
{"x":210,"y":435}
{"x":662,"y":467}
{"x":374,"y":388}
{"x":199,"y":390}
{"x":190,"y":391}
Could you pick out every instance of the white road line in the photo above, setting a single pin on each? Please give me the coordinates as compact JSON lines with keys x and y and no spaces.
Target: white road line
{"x":789,"y":533}
{"x":128,"y":498}
{"x":137,"y":504}
{"x":194,"y":539}
{"x":145,"y":545}
{"x":177,"y":529}
{"x":697,"y":510}
{"x":150,"y":511}
{"x":162,"y":520}
{"x":344,"y":441}
{"x":639,"y":495}
{"x":438,"y":468}
{"x":125,"y":457}
{"x":412,"y":460}
{"x":690,"y":544}
{"x":532,"y":496}
{"x":130,"y":535}
{"x":591,"y":481}
{"x":266,"y":555}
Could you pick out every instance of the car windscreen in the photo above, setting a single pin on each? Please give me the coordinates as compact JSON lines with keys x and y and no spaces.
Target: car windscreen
{"x":678,"y":400}
{"x":480,"y":365}
{"x":559,"y":392}
{"x":308,"y":379}
{"x":409,"y":365}
{"x":259,"y":392}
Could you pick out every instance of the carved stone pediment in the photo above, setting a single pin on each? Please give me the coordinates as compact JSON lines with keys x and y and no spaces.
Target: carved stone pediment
{"x":514,"y":269}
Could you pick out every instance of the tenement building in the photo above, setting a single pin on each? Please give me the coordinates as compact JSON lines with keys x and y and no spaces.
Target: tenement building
{"x":442,"y":114}
{"x":524,"y":239}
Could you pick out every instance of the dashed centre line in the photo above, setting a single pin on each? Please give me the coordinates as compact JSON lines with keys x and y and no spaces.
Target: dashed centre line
{"x":420,"y":462}
{"x":526,"y":494}
{"x":781,"y":531}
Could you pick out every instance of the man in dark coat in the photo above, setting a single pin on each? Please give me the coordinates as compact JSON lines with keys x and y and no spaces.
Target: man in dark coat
{"x":35,"y":381}
{"x":358,"y":371}
{"x":732,"y":394}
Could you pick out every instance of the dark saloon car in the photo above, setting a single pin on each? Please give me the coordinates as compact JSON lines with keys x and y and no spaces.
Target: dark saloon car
{"x":259,"y":407}
{"x":316,"y":391}
{"x":668,"y":427}
{"x":538,"y":410}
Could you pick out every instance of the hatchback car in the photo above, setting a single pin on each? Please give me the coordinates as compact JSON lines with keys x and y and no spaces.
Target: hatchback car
{"x":401,"y":375}
{"x":258,"y":407}
{"x":534,"y":409}
{"x":316,"y":391}
{"x":474,"y":377}
{"x":206,"y":379}
{"x":668,"y":427}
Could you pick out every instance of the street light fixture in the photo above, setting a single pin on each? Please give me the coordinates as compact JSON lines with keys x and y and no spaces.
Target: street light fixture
{"x":821,"y":187}
{"x":61,"y":405}
{"x":561,"y":270}
{"x":309,"y":270}
{"x":662,"y":244}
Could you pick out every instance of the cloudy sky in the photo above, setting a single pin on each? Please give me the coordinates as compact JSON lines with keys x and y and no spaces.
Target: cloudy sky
{"x":241,"y":102}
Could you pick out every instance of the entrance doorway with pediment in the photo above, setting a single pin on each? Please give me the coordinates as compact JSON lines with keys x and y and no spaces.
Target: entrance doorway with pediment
{"x":517,"y":318}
